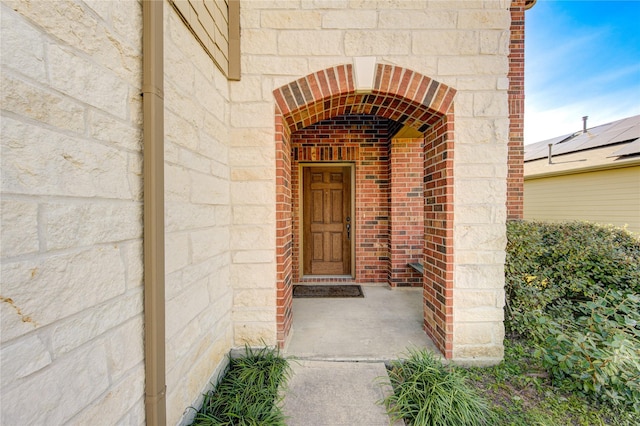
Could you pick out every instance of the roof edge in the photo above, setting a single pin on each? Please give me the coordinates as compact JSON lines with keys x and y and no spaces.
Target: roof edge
{"x":600,"y":167}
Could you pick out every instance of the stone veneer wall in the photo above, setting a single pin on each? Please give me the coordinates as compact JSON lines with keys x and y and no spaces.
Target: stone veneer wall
{"x":199,"y":295}
{"x":461,"y":44}
{"x":72,"y":296}
{"x":72,"y":299}
{"x":71,"y":249}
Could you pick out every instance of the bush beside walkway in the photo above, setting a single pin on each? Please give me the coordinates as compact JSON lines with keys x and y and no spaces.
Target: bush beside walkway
{"x":573,"y":291}
{"x":572,"y":351}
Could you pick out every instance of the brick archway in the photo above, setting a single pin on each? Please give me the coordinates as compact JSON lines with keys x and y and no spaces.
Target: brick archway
{"x":411,"y":100}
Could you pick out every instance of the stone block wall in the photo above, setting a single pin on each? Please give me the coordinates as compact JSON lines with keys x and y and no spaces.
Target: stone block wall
{"x":71,"y":299}
{"x":198,"y":291}
{"x":72,"y":267}
{"x":71,"y":184}
{"x":464,"y":45}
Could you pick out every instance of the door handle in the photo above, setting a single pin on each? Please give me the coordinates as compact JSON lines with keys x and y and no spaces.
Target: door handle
{"x":348,"y":228}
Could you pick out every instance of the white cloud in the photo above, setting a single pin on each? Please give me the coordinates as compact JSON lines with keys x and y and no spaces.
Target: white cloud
{"x":543,"y":123}
{"x":582,"y":59}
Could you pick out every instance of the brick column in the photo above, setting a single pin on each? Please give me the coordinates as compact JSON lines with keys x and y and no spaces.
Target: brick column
{"x":407,"y":211}
{"x":515,"y":174}
{"x":284,"y":289}
{"x":438,"y":234}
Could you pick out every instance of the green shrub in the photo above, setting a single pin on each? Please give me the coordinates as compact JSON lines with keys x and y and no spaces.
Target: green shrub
{"x":248,"y":393}
{"x":551,"y":266}
{"x":574,"y":290}
{"x":522,"y":394}
{"x":428,"y":393}
{"x":598,"y":353}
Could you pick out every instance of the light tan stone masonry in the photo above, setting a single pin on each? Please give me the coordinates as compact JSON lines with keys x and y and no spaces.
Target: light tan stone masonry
{"x":71,"y":220}
{"x":72,"y":324}
{"x":462,"y":44}
{"x":71,"y":306}
{"x":199,"y":296}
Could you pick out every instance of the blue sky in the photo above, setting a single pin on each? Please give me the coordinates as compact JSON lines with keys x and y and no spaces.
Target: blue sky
{"x":582,"y":58}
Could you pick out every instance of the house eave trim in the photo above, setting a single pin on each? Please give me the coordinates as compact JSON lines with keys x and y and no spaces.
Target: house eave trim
{"x":601,"y":167}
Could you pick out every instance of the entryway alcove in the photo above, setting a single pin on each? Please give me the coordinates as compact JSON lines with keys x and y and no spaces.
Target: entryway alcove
{"x":365,"y":187}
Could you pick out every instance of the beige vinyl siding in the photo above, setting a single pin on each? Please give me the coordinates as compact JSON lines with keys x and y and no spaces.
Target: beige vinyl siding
{"x":216,"y":26}
{"x":607,"y":197}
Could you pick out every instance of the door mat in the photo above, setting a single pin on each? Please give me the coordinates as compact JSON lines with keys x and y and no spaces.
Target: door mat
{"x":327,"y":291}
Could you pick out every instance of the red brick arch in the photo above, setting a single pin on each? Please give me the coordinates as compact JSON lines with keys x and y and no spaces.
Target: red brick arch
{"x":398,"y":94}
{"x":412,"y":100}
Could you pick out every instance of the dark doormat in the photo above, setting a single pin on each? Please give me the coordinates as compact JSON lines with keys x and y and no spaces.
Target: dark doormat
{"x":327,"y":291}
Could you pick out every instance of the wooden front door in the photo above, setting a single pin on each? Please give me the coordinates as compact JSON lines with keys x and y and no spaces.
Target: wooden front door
{"x":327,"y":223}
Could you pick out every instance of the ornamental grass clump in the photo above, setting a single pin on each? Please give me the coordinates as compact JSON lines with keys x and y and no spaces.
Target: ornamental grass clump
{"x":248,"y":393}
{"x":426,"y":392}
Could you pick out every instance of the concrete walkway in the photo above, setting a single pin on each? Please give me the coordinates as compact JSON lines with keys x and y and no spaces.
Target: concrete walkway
{"x":341,"y":346}
{"x":330,"y":393}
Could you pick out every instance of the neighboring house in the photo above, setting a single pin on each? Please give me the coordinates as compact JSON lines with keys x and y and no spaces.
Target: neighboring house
{"x":591,"y":175}
{"x":161,"y":170}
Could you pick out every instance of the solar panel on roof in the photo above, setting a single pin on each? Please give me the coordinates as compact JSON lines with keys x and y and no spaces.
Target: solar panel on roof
{"x":595,"y":137}
{"x":629,"y":134}
{"x":629,"y":149}
{"x":573,"y":144}
{"x":539,"y":150}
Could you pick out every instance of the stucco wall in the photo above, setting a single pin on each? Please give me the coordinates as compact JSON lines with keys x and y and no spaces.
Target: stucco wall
{"x":71,"y":307}
{"x":462,"y":44}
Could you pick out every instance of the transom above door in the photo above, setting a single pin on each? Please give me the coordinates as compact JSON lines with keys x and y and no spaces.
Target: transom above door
{"x":327,"y":224}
